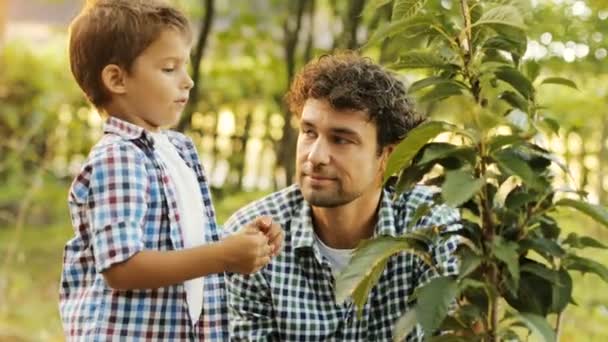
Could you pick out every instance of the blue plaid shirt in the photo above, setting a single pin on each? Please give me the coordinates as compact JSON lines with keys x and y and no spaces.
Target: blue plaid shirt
{"x":292,"y":299}
{"x":123,"y":202}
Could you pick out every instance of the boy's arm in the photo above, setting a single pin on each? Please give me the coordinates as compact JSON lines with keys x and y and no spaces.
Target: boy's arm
{"x":243,"y":252}
{"x":115,"y":188}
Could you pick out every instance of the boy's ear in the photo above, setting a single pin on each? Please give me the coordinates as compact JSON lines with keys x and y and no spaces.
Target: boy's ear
{"x":113,"y":78}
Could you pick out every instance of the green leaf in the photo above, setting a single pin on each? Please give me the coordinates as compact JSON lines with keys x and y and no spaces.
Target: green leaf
{"x":584,"y":265}
{"x":423,"y":58}
{"x":433,"y":302}
{"x":537,"y":324}
{"x":583,"y":241}
{"x":551,"y":124}
{"x":562,"y":293}
{"x":433,"y":80}
{"x":367,"y":265}
{"x":501,"y":15}
{"x":469,"y":262}
{"x":506,"y":251}
{"x":393,"y":28}
{"x":541,"y":271}
{"x":515,"y":100}
{"x":373,"y":5}
{"x":596,"y":212}
{"x":404,"y":325}
{"x":499,"y":141}
{"x":516,"y":79}
{"x":531,"y":69}
{"x":542,"y":246}
{"x":459,"y":187}
{"x":440,"y":92}
{"x":561,"y":81}
{"x":412,"y":143}
{"x":514,"y":165}
{"x":406,"y":8}
{"x":421,"y":210}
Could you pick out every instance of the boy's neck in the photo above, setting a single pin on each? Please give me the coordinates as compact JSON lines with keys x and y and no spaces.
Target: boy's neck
{"x":123,"y":113}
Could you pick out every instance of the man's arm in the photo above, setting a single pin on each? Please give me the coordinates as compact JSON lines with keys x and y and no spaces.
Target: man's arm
{"x":444,"y":260}
{"x":250,"y":312}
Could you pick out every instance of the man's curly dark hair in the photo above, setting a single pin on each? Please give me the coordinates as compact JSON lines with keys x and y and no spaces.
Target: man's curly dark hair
{"x":349,"y":81}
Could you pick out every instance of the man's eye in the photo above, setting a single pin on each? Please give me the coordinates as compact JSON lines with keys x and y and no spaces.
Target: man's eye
{"x":341,"y":141}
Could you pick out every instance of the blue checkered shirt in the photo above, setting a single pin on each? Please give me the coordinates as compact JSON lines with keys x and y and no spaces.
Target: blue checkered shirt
{"x":123,"y":202}
{"x":292,"y":299}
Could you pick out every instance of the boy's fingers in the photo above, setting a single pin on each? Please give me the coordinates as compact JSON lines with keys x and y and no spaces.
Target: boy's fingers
{"x":263,"y":223}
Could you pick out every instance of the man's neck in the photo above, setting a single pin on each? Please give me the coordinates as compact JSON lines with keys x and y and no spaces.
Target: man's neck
{"x":345,"y":226}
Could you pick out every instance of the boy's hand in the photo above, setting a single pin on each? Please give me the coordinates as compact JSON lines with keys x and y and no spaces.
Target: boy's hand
{"x":272,"y":230}
{"x":246,"y":251}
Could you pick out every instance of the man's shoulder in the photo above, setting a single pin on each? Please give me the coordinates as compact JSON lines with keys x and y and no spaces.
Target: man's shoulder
{"x":280,"y":205}
{"x":407,"y":203}
{"x":419,"y":194}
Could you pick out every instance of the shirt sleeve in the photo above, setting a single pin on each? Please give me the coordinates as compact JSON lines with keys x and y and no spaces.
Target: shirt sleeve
{"x":250,"y":312}
{"x":116,"y":201}
{"x":444,"y":259}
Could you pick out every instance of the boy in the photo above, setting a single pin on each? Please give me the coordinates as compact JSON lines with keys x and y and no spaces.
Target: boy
{"x":146,"y":262}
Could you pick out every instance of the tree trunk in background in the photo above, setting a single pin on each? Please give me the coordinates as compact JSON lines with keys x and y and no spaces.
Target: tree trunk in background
{"x":584,"y":181}
{"x":602,"y":159}
{"x":3,"y":19}
{"x":291,"y":29}
{"x":350,"y":25}
{"x":196,"y":58}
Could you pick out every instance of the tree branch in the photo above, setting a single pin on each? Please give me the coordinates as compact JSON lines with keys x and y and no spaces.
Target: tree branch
{"x":196,"y":58}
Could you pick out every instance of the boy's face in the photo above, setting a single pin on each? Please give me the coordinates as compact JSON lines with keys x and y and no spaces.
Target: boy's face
{"x":156,"y":89}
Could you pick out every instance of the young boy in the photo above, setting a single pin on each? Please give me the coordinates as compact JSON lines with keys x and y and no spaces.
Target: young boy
{"x":146,"y":262}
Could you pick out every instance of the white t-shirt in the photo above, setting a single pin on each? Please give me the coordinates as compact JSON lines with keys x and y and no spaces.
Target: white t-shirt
{"x":338,"y":258}
{"x":193,"y":220}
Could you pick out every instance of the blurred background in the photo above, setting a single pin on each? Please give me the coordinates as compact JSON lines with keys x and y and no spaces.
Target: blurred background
{"x":245,"y":54}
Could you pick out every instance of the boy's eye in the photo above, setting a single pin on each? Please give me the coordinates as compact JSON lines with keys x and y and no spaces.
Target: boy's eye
{"x":168,"y":69}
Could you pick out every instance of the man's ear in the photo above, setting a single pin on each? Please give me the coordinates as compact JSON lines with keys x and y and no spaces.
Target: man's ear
{"x":386,"y":153}
{"x":113,"y":78}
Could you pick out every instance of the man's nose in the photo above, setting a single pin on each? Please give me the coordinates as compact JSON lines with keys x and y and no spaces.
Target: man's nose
{"x":319,"y":152}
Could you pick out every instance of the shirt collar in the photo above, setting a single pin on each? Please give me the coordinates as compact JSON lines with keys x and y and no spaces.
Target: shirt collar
{"x":126,"y":130}
{"x":302,"y":227}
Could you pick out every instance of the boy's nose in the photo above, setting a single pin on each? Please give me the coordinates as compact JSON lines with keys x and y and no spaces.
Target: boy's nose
{"x":188,"y":83}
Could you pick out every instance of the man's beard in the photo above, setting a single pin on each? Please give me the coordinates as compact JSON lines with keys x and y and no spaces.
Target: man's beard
{"x":327,"y":197}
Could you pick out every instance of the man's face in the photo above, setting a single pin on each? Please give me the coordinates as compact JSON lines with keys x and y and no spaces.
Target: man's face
{"x":337,"y":160}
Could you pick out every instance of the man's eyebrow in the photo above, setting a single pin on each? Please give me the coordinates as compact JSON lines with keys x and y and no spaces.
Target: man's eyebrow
{"x":335,"y":130}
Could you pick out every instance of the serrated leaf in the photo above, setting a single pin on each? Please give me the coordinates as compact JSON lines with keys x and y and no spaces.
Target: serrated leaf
{"x":501,"y":15}
{"x":518,"y":167}
{"x":433,"y":302}
{"x":393,"y":28}
{"x":430,"y":81}
{"x":367,"y":264}
{"x":424,"y":58}
{"x":373,"y":5}
{"x":596,"y":212}
{"x":561,"y":81}
{"x":537,"y":324}
{"x":404,"y":325}
{"x":406,"y":8}
{"x":506,"y":251}
{"x":441,"y":92}
{"x":541,"y":271}
{"x":406,"y":150}
{"x":584,"y":265}
{"x":516,"y":79}
{"x":562,"y":293}
{"x":583,"y":241}
{"x":515,"y":100}
{"x":459,"y":187}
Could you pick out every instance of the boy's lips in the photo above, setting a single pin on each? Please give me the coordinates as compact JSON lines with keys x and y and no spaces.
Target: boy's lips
{"x":182,"y":100}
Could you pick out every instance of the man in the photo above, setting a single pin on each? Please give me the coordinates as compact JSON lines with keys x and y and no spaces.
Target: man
{"x":352,"y":113}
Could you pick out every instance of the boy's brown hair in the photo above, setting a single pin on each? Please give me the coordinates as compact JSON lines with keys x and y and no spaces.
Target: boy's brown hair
{"x":116,"y":32}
